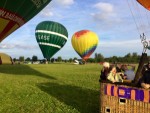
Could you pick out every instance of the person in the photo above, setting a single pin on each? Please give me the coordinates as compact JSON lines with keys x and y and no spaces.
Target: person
{"x":113,"y":76}
{"x":146,"y":68}
{"x":145,"y":80}
{"x":104,"y":71}
{"x":129,"y":73}
{"x":118,"y":67}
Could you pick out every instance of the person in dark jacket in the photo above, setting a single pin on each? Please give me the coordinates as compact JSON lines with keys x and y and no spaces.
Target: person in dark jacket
{"x":145,"y":80}
{"x":146,"y":68}
{"x":104,"y":71}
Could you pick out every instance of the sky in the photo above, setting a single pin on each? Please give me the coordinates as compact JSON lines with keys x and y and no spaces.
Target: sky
{"x":118,"y":24}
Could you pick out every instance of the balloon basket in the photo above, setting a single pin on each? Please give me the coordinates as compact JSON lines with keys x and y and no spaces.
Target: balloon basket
{"x":115,"y":98}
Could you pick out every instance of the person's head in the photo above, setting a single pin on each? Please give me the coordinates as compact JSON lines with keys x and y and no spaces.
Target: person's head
{"x":148,"y":64}
{"x":133,"y":68}
{"x":112,"y":69}
{"x":118,"y":65}
{"x":106,"y":65}
{"x":124,"y":67}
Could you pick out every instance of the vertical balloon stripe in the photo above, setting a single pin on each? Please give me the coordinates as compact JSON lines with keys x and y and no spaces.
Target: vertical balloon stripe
{"x":115,"y":91}
{"x":112,"y":90}
{"x":109,"y":89}
{"x":139,"y":95}
{"x":3,"y":24}
{"x":105,"y":89}
{"x":6,"y":29}
{"x":133,"y":93}
{"x":146,"y":96}
{"x":10,"y":31}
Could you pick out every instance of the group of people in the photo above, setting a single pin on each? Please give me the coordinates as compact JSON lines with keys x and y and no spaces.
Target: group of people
{"x":119,"y":73}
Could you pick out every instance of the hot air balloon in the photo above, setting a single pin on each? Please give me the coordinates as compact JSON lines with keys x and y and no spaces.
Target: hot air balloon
{"x":51,"y":37}
{"x":145,"y":3}
{"x":84,"y":42}
{"x":15,"y":13}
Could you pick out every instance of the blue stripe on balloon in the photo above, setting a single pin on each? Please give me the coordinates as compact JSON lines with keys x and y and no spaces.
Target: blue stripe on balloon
{"x":89,"y":51}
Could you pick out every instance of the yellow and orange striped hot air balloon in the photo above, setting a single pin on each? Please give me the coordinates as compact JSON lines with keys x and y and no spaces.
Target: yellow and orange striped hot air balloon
{"x":84,"y":42}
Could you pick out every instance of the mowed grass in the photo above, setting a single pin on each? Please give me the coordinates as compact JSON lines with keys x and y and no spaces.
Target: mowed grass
{"x":50,"y":88}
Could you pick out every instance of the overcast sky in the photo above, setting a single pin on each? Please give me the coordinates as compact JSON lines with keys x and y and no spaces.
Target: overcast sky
{"x":117,"y":23}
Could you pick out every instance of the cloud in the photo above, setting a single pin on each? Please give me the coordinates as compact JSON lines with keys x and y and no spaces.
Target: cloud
{"x":64,"y":2}
{"x":121,"y":44}
{"x":51,"y":10}
{"x":13,"y":46}
{"x":105,"y":7}
{"x":46,"y":13}
{"x":119,"y":48}
{"x":105,"y":13}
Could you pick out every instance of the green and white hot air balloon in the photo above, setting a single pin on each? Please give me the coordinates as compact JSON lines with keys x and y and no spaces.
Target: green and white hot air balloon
{"x":51,"y":37}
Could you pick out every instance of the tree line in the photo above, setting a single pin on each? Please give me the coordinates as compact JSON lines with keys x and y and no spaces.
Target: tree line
{"x":98,"y":57}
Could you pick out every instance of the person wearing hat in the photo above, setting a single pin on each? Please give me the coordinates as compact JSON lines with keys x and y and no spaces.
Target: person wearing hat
{"x":104,"y":71}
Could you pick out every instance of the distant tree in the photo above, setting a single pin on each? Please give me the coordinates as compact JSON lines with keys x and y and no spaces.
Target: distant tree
{"x":91,"y":60}
{"x":28,"y":59}
{"x":135,"y":55}
{"x":65,"y":60}
{"x":14,"y":59}
{"x":96,"y":56}
{"x":75,"y":58}
{"x":34,"y":58}
{"x":21,"y":58}
{"x":99,"y":57}
{"x":59,"y":59}
{"x":52,"y":60}
{"x":128,"y":55}
{"x":70,"y":59}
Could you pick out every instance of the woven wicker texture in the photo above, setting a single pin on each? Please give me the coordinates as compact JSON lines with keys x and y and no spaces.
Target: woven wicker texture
{"x":114,"y":104}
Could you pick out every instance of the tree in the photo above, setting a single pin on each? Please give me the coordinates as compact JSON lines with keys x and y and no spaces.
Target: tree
{"x":99,"y":57}
{"x":28,"y":59}
{"x":134,"y":55}
{"x":59,"y":59}
{"x":34,"y":58}
{"x":14,"y":59}
{"x":91,"y":60}
{"x":52,"y":60}
{"x":21,"y":58}
{"x":70,"y":59}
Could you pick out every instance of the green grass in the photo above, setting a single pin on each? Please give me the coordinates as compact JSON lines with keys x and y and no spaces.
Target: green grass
{"x":51,"y":88}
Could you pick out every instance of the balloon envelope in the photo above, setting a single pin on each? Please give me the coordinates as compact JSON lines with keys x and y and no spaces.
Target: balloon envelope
{"x":15,"y":13}
{"x":145,"y":3}
{"x":51,"y":37}
{"x":85,"y":42}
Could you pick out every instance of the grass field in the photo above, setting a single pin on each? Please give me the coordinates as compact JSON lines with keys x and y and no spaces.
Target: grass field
{"x":51,"y":88}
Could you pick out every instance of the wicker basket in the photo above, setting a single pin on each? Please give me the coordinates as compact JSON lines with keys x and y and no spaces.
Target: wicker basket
{"x":123,"y":99}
